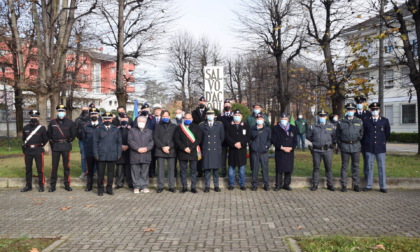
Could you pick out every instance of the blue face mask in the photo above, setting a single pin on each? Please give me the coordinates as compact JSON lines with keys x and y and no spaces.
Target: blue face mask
{"x":260,"y":122}
{"x":359,"y":106}
{"x":257,"y":111}
{"x":322,"y":120}
{"x":187,"y":122}
{"x":165,"y":120}
{"x":237,"y":118}
{"x":350,"y":113}
{"x":61,"y":114}
{"x":210,"y":117}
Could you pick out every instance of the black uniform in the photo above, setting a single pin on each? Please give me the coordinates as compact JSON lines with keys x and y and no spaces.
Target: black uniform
{"x":33,"y":150}
{"x":87,"y":136}
{"x":123,"y":171}
{"x":61,"y":132}
{"x":226,"y":118}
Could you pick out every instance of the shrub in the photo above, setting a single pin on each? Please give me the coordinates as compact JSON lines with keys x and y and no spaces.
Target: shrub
{"x":244,"y":110}
{"x":404,"y":137}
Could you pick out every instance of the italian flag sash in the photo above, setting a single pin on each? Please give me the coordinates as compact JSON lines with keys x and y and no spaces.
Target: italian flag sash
{"x":191,"y":137}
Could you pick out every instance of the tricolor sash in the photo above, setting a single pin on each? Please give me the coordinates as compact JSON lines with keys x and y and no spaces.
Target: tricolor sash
{"x":191,"y":137}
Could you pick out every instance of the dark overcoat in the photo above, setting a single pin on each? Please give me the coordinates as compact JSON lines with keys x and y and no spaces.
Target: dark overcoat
{"x":211,"y":144}
{"x":125,"y":156}
{"x":279,"y":138}
{"x":163,"y":135}
{"x":237,"y":133}
{"x":107,"y":143}
{"x":182,"y":142}
{"x":139,"y":139}
{"x":375,"y":135}
{"x":87,"y":136}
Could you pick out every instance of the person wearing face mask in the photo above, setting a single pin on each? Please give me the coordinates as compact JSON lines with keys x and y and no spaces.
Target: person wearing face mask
{"x":157,"y":110}
{"x":145,"y":112}
{"x":251,"y":119}
{"x":199,"y":114}
{"x":376,"y":132}
{"x":163,"y":137}
{"x":349,"y":134}
{"x":107,"y":149}
{"x":302,"y":127}
{"x":226,"y":117}
{"x":80,"y":122}
{"x":34,"y":137}
{"x":322,"y":135}
{"x":334,"y":118}
{"x":123,"y":168}
{"x":140,"y":140}
{"x":61,"y":133}
{"x":211,"y":146}
{"x":121,"y":112}
{"x":238,"y":136}
{"x":187,"y":141}
{"x":179,"y":117}
{"x":258,"y":147}
{"x":361,"y":113}
{"x":87,"y":136}
{"x":284,"y":138}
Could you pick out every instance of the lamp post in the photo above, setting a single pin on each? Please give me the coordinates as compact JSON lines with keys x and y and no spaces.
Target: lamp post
{"x":3,"y":70}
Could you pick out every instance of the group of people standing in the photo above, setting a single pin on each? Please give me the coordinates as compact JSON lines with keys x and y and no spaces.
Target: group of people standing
{"x":200,"y":142}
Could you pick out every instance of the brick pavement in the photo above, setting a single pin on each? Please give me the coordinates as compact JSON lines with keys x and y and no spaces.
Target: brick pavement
{"x":226,"y":221}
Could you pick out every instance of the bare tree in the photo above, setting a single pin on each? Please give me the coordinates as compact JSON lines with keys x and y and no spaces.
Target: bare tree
{"x":207,"y":53}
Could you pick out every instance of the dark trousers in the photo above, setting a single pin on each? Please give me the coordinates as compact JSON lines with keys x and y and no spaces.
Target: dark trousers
{"x":66,"y":165}
{"x":279,"y":179}
{"x":193,"y":172}
{"x":207,"y":174}
{"x":345,"y":157}
{"x":152,"y":166}
{"x":109,"y":166}
{"x":199,"y":169}
{"x":317,"y":157}
{"x":161,"y":171}
{"x":256,"y":160}
{"x":123,"y":173}
{"x":90,"y":166}
{"x":39,"y":162}
{"x":225,"y":150}
{"x":365,"y":165}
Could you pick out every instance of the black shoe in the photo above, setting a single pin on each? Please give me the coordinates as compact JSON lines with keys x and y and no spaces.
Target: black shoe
{"x":383,"y":190}
{"x":110,"y":192}
{"x":314,"y":188}
{"x":117,"y":187}
{"x":243,"y":188}
{"x":288,"y":188}
{"x":200,"y":175}
{"x":224,"y":175}
{"x":331,"y":188}
{"x":159,"y":190}
{"x":356,"y":188}
{"x":184,"y":190}
{"x":217,"y":189}
{"x":26,"y":189}
{"x":343,"y":189}
{"x":207,"y":189}
{"x":172,"y":190}
{"x":277,"y":188}
{"x":230,"y":188}
{"x":41,"y":189}
{"x":88,"y":189}
{"x":68,"y":188}
{"x":367,"y":189}
{"x":52,"y":189}
{"x":266,"y":188}
{"x":131,"y":186}
{"x":100,"y":194}
{"x":193,"y":190}
{"x":254,"y":188}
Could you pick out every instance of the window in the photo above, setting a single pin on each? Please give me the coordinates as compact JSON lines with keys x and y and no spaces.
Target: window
{"x":389,"y":78}
{"x":33,"y":72}
{"x":83,"y":77}
{"x":110,"y":103}
{"x":389,"y":112}
{"x":405,"y":78}
{"x":409,"y":113}
{"x":131,"y":72}
{"x":389,"y":47}
{"x":113,"y":82}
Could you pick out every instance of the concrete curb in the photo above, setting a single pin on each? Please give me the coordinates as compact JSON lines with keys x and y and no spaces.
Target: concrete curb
{"x":294,"y":247}
{"x":297,"y":182}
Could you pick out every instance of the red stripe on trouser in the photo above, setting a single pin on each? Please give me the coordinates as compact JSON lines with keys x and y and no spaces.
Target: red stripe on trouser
{"x":68,"y":166}
{"x":42,"y":169}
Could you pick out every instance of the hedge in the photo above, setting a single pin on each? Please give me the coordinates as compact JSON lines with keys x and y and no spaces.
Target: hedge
{"x":404,"y":137}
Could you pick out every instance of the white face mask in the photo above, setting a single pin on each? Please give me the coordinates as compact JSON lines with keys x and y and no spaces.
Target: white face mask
{"x":178,"y":116}
{"x":300,"y":117}
{"x":142,"y":125}
{"x":375,"y":113}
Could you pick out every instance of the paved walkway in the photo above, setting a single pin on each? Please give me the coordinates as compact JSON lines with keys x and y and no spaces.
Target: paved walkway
{"x":226,"y":221}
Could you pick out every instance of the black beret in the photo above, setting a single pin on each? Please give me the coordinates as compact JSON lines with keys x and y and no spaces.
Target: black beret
{"x":202,"y":98}
{"x":34,"y":113}
{"x":145,"y":105}
{"x":350,"y":106}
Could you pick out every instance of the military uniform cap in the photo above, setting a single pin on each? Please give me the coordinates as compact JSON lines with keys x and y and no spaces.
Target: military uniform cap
{"x":202,"y":98}
{"x":210,"y":112}
{"x":375,"y":105}
{"x":93,"y":111}
{"x":145,"y":106}
{"x":61,"y":107}
{"x":350,"y":106}
{"x":259,"y":116}
{"x":157,"y":106}
{"x":144,"y":113}
{"x":227,"y":101}
{"x":34,"y":113}
{"x":283,"y":115}
{"x":322,"y":113}
{"x":256,"y":104}
{"x":359,"y":99}
{"x":237,"y":111}
{"x":92,"y":105}
{"x":124,"y":115}
{"x":107,"y":115}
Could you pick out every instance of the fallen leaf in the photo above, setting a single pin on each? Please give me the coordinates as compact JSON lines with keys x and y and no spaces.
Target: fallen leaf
{"x":34,"y":250}
{"x":71,"y":197}
{"x":34,"y":199}
{"x":88,"y":205}
{"x":149,"y":230}
{"x":379,"y":246}
{"x":43,"y":199}
{"x":299,"y":227}
{"x":37,"y":203}
{"x":65,"y":208}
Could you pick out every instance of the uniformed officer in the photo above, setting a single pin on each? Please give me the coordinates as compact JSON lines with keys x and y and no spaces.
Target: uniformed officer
{"x":258,"y":147}
{"x":226,"y":118}
{"x":34,"y":138}
{"x":376,"y":132}
{"x":107,"y":149}
{"x":362,"y":114}
{"x":80,"y":122}
{"x":349,"y":135}
{"x":211,"y":146}
{"x":322,"y":136}
{"x":199,"y":114}
{"x":61,"y":133}
{"x":87,"y":136}
{"x":301,"y":129}
{"x":251,"y":120}
{"x":145,"y":112}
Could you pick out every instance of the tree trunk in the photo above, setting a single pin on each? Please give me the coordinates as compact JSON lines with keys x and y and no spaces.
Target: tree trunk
{"x":19,"y":111}
{"x":418,"y":118}
{"x":120,"y":90}
{"x":54,"y":102}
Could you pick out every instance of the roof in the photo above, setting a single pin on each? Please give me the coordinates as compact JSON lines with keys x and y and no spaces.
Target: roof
{"x":374,"y":21}
{"x":102,"y":56}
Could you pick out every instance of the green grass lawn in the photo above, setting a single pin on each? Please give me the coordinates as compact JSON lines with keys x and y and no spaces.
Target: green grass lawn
{"x":397,"y":166}
{"x":25,"y":244}
{"x":348,"y":244}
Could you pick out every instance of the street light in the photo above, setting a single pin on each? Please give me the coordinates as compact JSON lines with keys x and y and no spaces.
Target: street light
{"x":3,"y":70}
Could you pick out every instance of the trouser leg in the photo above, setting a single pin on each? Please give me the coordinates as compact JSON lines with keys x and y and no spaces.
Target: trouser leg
{"x":144,"y":176}
{"x":287,"y":179}
{"x":127,"y":175}
{"x":119,"y":175}
{"x":216,"y":177}
{"x":193,"y":173}
{"x":39,"y":161}
{"x":254,"y":168}
{"x":327,"y":157}
{"x":381,"y":158}
{"x":152,"y":166}
{"x":66,"y":166}
{"x":55,"y":161}
{"x":101,"y":175}
{"x":135,"y":174}
{"x":171,"y":172}
{"x":224,"y":160}
{"x":355,"y":158}
{"x":345,"y":157}
{"x":303,"y":137}
{"x":299,"y":137}
{"x":161,"y":172}
{"x":370,"y":157}
{"x":316,"y":158}
{"x":365,"y":165}
{"x":207,"y":173}
{"x":183,"y":172}
{"x":231,"y":175}
{"x":82,"y":155}
{"x":279,"y":179}
{"x":110,"y":175}
{"x":242,"y":175}
{"x":199,"y":169}
{"x":28,"y":167}
{"x":90,"y":163}
{"x":264,"y":165}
